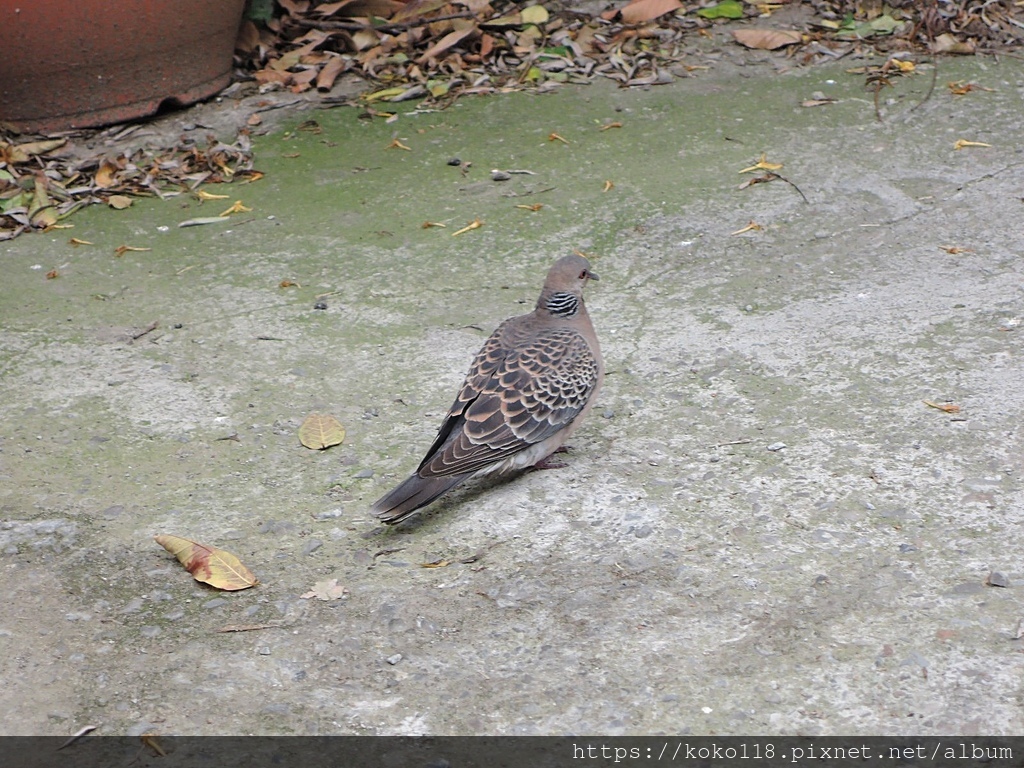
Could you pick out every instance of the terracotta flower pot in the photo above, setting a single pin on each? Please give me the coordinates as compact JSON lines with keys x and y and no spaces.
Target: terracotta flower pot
{"x":76,"y":63}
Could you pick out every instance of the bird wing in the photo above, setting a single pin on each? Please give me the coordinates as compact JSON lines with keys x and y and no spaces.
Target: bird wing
{"x":515,"y":396}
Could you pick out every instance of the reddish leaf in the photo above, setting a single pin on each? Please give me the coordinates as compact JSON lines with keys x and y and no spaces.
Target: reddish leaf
{"x":333,"y":68}
{"x":766,"y":39}
{"x":446,"y":42}
{"x":207,"y":564}
{"x":640,"y":11}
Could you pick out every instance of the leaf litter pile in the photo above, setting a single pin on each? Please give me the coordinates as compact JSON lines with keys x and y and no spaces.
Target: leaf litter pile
{"x":40,"y":185}
{"x":435,"y":51}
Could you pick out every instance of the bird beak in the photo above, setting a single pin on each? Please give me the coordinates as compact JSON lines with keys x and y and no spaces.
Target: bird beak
{"x":592,"y":276}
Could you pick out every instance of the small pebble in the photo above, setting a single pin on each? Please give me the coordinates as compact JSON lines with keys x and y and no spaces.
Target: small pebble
{"x":996,"y":579}
{"x":264,"y":650}
{"x":907,"y":548}
{"x":320,"y":305}
{"x":455,"y":161}
{"x":500,"y":176}
{"x":364,"y":473}
{"x":150,"y":631}
{"x":329,"y":514}
{"x":312,"y":546}
{"x":776,"y":446}
{"x":217,"y":602}
{"x":609,"y":414}
{"x":392,"y":660}
{"x":643,"y":531}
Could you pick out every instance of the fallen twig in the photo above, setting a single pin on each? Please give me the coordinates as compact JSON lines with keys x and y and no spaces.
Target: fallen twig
{"x":77,"y":735}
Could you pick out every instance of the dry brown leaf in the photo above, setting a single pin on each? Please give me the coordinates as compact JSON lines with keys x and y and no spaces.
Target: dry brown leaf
{"x":436,"y":564}
{"x":105,"y":176}
{"x":329,"y":73}
{"x":77,"y":241}
{"x":320,"y":431}
{"x":946,"y":43}
{"x":417,"y":9}
{"x":944,"y":407}
{"x":209,"y":565}
{"x":380,"y":8}
{"x":121,"y":250}
{"x":325,"y":590}
{"x":53,"y":274}
{"x":23,"y":153}
{"x":446,"y":42}
{"x":766,"y":39}
{"x":119,"y":202}
{"x":640,"y":11}
{"x":150,"y":740}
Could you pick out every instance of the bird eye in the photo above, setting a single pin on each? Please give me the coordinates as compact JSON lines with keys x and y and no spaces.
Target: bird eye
{"x":583,"y":274}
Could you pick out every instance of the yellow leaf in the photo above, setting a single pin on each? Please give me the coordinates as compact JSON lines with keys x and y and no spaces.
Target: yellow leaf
{"x":436,"y":564}
{"x":121,"y":250}
{"x":762,"y":165}
{"x":396,"y":144}
{"x":321,"y":431}
{"x":209,"y":565}
{"x":236,"y":207}
{"x":387,"y":93}
{"x":944,"y":407}
{"x":534,"y":14}
{"x":474,"y":224}
{"x":202,"y":194}
{"x":608,"y":185}
{"x":753,"y":226}
{"x":76,"y":241}
{"x":556,"y":137}
{"x":961,"y":143}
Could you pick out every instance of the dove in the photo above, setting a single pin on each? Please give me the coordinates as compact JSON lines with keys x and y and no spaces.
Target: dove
{"x":526,"y":392}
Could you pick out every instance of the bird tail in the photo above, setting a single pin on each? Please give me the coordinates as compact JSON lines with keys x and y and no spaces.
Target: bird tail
{"x":413,"y":493}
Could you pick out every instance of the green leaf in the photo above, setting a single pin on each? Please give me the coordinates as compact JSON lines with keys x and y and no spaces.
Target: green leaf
{"x":884,"y":25}
{"x":558,"y":50}
{"x":534,"y":75}
{"x":727,"y":9}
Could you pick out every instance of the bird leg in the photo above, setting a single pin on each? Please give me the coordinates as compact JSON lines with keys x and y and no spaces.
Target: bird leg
{"x":548,"y":463}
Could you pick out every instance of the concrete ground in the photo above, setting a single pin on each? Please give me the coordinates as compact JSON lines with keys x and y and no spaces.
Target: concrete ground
{"x":763,"y":528}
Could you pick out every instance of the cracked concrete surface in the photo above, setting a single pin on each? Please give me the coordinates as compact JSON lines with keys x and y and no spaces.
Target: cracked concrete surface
{"x":763,"y":528}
